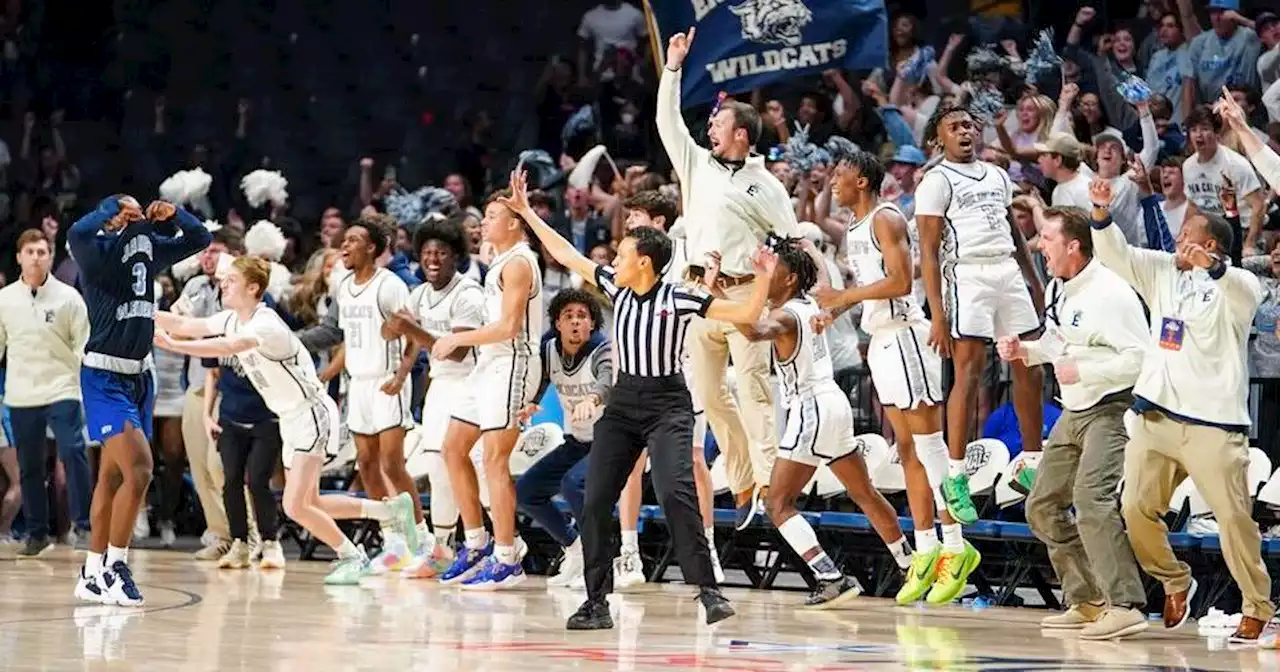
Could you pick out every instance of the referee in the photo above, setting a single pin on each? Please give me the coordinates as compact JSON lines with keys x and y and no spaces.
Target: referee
{"x":650,"y":405}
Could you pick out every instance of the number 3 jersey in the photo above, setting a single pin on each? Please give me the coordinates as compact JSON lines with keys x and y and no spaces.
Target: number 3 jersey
{"x":362,"y":310}
{"x":279,"y":367}
{"x":973,"y":200}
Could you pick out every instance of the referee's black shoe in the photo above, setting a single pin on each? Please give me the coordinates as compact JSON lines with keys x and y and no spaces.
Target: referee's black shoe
{"x":592,"y":615}
{"x":715,"y":603}
{"x":36,"y":547}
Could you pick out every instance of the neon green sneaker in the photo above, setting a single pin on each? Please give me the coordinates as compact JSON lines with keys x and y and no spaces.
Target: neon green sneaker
{"x":920,"y":576}
{"x":402,"y":519}
{"x":953,"y":574}
{"x":348,"y":571}
{"x":955,"y":490}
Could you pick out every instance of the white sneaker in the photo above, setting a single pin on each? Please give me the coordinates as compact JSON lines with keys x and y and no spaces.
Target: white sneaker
{"x":121,"y":590}
{"x":89,"y":589}
{"x":141,"y":526}
{"x":628,"y":569}
{"x":237,"y":557}
{"x":522,"y":549}
{"x":214,"y":551}
{"x":393,"y":557}
{"x":272,"y":555}
{"x":571,"y":567}
{"x":168,"y":536}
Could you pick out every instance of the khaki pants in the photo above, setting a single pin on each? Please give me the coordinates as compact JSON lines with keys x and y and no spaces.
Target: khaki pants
{"x":1160,"y":454}
{"x":206,"y":465}
{"x":1082,"y":463}
{"x":749,"y":440}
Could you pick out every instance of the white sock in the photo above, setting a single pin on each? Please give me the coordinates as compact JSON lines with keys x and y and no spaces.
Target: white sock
{"x":630,"y":541}
{"x":901,"y":551}
{"x":952,"y":538}
{"x":926,"y":540}
{"x":425,"y":541}
{"x":954,"y":467}
{"x":444,"y":536}
{"x":375,"y":510}
{"x":802,"y":539}
{"x":505,"y":554}
{"x":116,"y":554}
{"x":348,"y":550}
{"x":477,"y":539}
{"x":92,"y":564}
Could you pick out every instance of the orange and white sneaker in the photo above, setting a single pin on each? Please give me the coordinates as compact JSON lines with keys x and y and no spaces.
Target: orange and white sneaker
{"x":429,"y":565}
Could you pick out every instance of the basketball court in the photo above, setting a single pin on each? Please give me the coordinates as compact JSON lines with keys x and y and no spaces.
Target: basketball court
{"x":199,"y":618}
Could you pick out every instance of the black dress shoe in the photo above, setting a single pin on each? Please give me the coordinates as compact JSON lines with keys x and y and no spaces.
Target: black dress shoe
{"x":592,"y":615}
{"x":35,"y":547}
{"x":716,"y":604}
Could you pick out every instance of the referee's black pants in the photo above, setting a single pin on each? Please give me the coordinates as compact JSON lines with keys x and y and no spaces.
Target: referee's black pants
{"x":644,"y":412}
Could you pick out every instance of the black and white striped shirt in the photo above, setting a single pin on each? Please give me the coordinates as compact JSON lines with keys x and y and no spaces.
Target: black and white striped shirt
{"x":649,"y":329}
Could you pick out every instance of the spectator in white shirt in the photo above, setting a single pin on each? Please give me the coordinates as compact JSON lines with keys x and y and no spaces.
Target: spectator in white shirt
{"x":1175,"y":193}
{"x":1060,"y":161}
{"x":44,"y":326}
{"x":610,"y":24}
{"x":1203,"y":171}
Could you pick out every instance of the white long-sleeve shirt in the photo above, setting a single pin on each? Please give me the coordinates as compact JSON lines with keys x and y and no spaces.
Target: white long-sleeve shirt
{"x":1204,"y":376}
{"x":1095,"y":319}
{"x":44,"y":330}
{"x":727,"y":209}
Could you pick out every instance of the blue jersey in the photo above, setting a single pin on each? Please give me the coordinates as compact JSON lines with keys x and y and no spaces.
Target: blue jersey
{"x":118,"y":273}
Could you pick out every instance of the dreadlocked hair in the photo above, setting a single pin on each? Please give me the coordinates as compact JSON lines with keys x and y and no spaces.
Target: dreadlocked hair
{"x":791,"y":254}
{"x":931,"y":127}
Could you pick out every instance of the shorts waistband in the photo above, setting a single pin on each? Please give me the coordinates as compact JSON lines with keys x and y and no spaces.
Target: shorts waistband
{"x":627,"y":381}
{"x":975,"y":261}
{"x":97,"y":360}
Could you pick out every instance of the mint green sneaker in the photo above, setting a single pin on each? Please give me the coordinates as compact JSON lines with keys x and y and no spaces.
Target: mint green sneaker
{"x":1023,"y":480}
{"x":402,"y":519}
{"x":955,"y":490}
{"x":348,"y":571}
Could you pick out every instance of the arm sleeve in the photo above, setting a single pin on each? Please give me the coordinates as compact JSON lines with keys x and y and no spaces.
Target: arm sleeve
{"x":779,"y":213}
{"x":1243,"y":291}
{"x":1157,"y":226}
{"x":602,"y":369}
{"x":1126,"y":334}
{"x":675,"y":136}
{"x":605,"y":281}
{"x":324,"y":335}
{"x":1150,"y":139}
{"x":192,"y":237}
{"x":82,"y":236}
{"x":1266,"y":160}
{"x":1139,"y":268}
{"x":933,"y":195}
{"x":690,"y":299}
{"x":468,"y":310}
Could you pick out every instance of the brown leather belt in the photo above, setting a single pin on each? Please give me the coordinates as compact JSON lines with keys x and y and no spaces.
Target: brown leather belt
{"x":695,"y":273}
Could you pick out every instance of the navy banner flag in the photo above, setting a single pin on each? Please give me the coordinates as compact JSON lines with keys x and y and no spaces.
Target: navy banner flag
{"x":744,"y":44}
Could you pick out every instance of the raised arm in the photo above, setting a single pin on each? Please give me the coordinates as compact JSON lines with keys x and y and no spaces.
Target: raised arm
{"x":675,"y":136}
{"x":192,"y":234}
{"x":560,"y":249}
{"x":1139,"y":268}
{"x":111,"y":215}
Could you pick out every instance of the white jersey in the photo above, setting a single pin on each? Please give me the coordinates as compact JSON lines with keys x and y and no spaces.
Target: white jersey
{"x":576,"y":380}
{"x":279,"y":367}
{"x":973,"y":199}
{"x":867,"y":263}
{"x":459,"y":305}
{"x":362,"y":310}
{"x":531,"y":331}
{"x":808,"y":370}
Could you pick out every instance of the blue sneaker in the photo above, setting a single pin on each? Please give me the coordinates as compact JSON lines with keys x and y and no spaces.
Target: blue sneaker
{"x":495,"y":576}
{"x":467,"y":564}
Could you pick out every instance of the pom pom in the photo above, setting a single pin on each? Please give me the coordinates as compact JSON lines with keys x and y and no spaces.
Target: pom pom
{"x":918,"y":65}
{"x":280,"y":282}
{"x":841,"y":148}
{"x":821,"y":157}
{"x":984,"y":60}
{"x":1134,"y":89}
{"x":174,"y":188}
{"x":582,"y":121}
{"x":1042,"y":60}
{"x":185,"y":187}
{"x":800,"y":153}
{"x":541,"y":165}
{"x":409,"y":208}
{"x":265,"y":240}
{"x":262,"y":186}
{"x":986,"y":104}
{"x":198,"y":183}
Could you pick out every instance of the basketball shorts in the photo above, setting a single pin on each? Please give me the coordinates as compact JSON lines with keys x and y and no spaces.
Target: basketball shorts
{"x":906,"y":372}
{"x":497,"y":389}
{"x":371,"y":411}
{"x":443,"y":400}
{"x":819,"y":428}
{"x":113,"y":401}
{"x":313,"y":430}
{"x":988,"y":300}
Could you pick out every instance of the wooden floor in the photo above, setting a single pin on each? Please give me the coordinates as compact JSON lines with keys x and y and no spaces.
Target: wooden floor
{"x":198,"y":618}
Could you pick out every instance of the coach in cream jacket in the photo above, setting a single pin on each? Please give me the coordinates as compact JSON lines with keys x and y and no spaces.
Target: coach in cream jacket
{"x":1191,"y":398}
{"x":731,"y":204}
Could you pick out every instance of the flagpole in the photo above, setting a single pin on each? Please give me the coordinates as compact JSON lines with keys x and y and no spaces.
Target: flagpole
{"x":655,"y":40}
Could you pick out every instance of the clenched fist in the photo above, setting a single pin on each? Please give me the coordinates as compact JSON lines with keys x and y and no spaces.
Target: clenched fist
{"x":160,"y":211}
